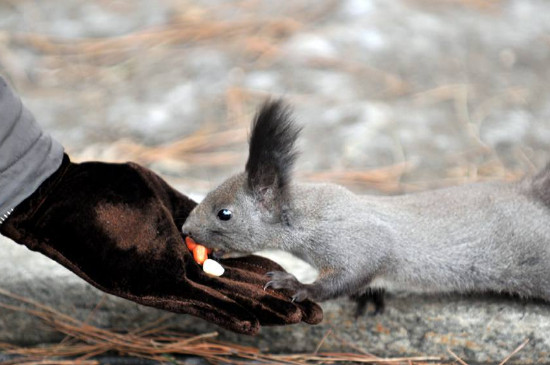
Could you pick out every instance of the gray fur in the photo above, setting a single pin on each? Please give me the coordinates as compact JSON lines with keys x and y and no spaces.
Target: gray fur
{"x":482,"y":237}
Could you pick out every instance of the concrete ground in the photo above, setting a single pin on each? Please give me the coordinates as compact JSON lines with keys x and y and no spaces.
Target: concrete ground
{"x":394,"y":96}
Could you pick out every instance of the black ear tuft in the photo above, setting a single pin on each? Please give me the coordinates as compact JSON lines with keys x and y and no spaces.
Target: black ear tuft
{"x":272,"y":149}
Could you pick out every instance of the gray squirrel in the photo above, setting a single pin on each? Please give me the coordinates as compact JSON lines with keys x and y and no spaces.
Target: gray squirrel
{"x":475,"y":238}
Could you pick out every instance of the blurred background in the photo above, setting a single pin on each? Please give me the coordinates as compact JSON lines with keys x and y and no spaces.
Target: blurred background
{"x":394,"y":96}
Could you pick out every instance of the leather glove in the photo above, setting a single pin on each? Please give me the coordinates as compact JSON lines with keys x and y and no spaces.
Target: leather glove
{"x":118,"y":227}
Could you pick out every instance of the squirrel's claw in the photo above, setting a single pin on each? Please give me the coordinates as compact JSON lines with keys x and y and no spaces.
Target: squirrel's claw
{"x":285,"y":280}
{"x":300,"y":295}
{"x":268,"y":285}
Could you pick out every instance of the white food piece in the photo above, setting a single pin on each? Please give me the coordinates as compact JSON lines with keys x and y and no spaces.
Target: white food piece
{"x":213,"y":267}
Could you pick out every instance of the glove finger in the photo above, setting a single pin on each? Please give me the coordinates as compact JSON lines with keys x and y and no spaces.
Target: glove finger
{"x":311,"y":311}
{"x":252,"y":263}
{"x":207,"y":304}
{"x":245,"y":284}
{"x":268,"y":307}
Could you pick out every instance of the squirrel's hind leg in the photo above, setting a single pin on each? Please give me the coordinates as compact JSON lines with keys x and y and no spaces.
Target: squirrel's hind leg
{"x":376,"y":296}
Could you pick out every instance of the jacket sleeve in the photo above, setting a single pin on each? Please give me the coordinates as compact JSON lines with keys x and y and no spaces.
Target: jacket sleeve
{"x":28,"y":156}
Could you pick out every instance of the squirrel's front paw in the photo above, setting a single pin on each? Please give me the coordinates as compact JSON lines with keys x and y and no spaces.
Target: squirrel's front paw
{"x":285,"y":280}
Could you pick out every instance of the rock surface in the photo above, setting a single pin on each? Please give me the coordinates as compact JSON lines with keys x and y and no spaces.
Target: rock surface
{"x":477,"y":329}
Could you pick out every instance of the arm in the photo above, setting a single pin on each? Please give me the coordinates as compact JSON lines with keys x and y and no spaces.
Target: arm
{"x":29,"y":155}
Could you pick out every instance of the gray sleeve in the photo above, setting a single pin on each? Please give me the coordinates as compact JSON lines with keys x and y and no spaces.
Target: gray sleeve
{"x":28,"y":156}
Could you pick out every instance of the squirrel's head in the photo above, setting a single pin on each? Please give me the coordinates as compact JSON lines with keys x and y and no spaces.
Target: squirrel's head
{"x":244,"y":212}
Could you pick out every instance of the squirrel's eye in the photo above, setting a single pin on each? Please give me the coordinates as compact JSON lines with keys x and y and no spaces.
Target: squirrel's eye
{"x":224,"y":214}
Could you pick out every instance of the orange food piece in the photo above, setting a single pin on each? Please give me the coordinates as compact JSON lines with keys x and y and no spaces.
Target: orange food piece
{"x":190,"y":243}
{"x":199,"y":254}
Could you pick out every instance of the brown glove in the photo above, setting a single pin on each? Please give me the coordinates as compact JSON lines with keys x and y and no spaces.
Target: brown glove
{"x":118,"y":227}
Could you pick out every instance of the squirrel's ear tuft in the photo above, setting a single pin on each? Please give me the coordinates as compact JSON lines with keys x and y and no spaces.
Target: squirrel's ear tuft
{"x":272,"y":151}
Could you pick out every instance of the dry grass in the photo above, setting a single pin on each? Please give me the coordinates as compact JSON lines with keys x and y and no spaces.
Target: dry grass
{"x":191,"y":30}
{"x":191,"y":24}
{"x":155,"y":341}
{"x":202,"y":148}
{"x":479,"y":5}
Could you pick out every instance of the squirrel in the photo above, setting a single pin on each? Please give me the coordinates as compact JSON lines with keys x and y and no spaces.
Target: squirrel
{"x":474,"y":238}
